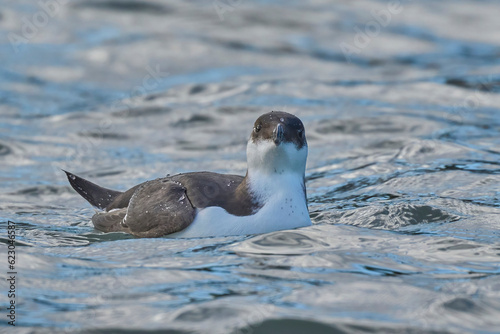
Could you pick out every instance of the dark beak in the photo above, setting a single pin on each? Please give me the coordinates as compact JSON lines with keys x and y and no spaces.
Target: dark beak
{"x":278,"y":134}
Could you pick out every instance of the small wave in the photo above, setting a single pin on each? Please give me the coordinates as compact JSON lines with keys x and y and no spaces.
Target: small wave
{"x":195,"y":120}
{"x":103,"y":135}
{"x":201,"y":313}
{"x":198,"y":93}
{"x":463,"y":305}
{"x":40,"y":191}
{"x":280,"y":242}
{"x":360,"y":126}
{"x":396,"y":216}
{"x":481,"y":84}
{"x":4,"y":149}
{"x":230,"y":110}
{"x":142,"y":112}
{"x":125,"y":6}
{"x":425,"y":151}
{"x":295,"y":326}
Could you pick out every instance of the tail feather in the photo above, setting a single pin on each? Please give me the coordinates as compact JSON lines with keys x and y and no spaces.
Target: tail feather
{"x":96,"y":195}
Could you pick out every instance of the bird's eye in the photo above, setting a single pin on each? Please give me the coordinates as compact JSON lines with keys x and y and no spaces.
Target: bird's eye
{"x":257,"y":128}
{"x":300,"y":132}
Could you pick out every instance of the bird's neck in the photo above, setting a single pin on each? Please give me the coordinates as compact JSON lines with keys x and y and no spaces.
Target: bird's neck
{"x":262,"y":185}
{"x":275,"y":171}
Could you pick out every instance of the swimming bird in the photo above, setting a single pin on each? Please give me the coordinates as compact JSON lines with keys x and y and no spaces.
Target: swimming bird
{"x":270,"y":197}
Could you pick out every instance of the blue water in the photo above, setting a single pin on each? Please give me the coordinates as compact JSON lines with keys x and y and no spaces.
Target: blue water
{"x":402,"y":178}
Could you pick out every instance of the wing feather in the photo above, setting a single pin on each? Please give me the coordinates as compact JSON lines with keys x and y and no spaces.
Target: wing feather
{"x":159,"y":207}
{"x":110,"y":221}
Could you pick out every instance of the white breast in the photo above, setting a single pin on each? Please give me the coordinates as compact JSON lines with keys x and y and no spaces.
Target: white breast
{"x":285,"y":208}
{"x":275,"y":178}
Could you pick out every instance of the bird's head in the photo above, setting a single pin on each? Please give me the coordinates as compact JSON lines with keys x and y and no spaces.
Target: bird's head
{"x":277,"y":145}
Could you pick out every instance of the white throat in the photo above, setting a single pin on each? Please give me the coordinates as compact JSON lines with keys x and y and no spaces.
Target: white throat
{"x":265,"y":157}
{"x":273,"y":169}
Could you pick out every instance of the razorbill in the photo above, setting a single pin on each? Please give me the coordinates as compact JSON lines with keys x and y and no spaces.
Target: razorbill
{"x":271,"y":196}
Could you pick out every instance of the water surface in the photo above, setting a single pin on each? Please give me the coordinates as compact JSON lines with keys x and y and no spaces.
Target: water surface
{"x":403,"y":173}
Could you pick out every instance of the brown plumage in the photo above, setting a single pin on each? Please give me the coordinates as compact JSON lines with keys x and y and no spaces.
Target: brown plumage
{"x":168,"y":205}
